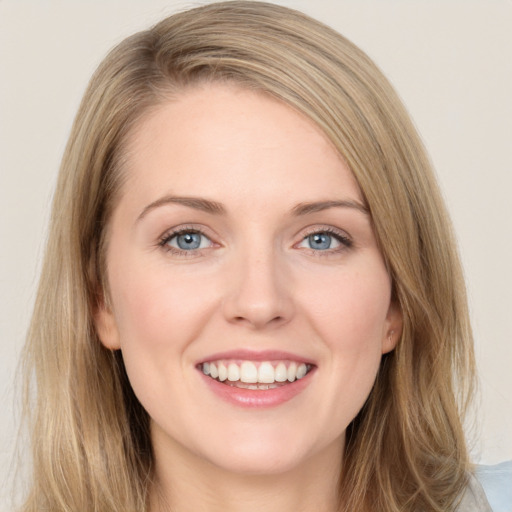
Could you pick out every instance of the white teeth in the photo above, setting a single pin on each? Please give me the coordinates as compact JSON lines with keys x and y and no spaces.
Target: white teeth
{"x":223,"y":372}
{"x":248,"y":372}
{"x":266,"y":373}
{"x":301,"y":371}
{"x":292,"y":372}
{"x":281,"y":373}
{"x":243,"y":385}
{"x":253,"y":375}
{"x":233,"y":372}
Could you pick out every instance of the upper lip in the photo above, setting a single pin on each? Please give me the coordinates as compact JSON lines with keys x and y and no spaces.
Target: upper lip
{"x":257,"y":355}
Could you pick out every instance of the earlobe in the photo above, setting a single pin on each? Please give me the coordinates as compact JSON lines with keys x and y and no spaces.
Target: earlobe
{"x":106,"y":327}
{"x":393,"y":329}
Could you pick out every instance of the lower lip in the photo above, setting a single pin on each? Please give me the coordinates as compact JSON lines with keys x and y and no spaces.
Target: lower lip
{"x":258,"y":398}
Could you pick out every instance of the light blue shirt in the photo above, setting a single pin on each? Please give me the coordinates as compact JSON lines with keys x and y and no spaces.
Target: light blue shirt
{"x":497,"y":484}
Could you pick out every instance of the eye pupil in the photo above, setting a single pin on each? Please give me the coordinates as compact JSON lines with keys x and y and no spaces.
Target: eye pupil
{"x":320,"y":241}
{"x":189,"y":241}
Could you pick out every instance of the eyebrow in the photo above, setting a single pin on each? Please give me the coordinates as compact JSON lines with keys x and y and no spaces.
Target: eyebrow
{"x":214,"y":207}
{"x":196,"y":203}
{"x":306,"y":208}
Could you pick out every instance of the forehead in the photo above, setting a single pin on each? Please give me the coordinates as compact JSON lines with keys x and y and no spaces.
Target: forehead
{"x":222,"y":140}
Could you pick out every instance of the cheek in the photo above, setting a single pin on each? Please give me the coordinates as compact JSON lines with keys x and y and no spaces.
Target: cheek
{"x":350,"y":317}
{"x":351,"y":309}
{"x":152,"y":303}
{"x":150,"y":308}
{"x":159,"y":314}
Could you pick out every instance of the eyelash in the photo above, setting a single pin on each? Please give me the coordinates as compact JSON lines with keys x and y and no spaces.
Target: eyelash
{"x":168,"y":236}
{"x":344,"y":240}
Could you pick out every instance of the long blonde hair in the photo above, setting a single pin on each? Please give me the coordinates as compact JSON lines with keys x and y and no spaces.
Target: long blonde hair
{"x":90,"y":440}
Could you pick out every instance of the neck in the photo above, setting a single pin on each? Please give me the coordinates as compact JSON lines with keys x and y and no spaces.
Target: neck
{"x":186,"y":482}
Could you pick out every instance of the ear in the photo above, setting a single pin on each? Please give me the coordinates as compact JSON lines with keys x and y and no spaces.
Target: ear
{"x":392,"y":328}
{"x":106,"y":327}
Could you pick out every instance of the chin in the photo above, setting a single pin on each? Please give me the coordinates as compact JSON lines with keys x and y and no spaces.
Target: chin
{"x":257,"y":464}
{"x":262,"y":454}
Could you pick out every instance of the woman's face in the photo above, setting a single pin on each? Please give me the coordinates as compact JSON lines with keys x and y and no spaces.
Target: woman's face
{"x":241,"y":256}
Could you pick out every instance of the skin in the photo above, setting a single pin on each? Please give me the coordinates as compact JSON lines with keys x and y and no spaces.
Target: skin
{"x":256,"y":283}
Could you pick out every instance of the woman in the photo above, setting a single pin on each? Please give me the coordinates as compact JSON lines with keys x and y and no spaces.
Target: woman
{"x":245,"y":304}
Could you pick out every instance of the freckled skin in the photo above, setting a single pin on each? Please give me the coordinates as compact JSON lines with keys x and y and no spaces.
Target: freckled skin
{"x":255,"y":284}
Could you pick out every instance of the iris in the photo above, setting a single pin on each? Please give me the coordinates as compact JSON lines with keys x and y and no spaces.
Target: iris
{"x":189,"y":241}
{"x":320,"y":241}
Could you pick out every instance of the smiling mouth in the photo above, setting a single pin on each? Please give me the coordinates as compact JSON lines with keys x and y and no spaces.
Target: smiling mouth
{"x":261,"y":375}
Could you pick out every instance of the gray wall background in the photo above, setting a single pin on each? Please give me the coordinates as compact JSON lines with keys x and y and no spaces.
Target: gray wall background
{"x":451,"y":61}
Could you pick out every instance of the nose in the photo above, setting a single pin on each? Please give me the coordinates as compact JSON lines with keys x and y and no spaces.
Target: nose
{"x":259,"y":292}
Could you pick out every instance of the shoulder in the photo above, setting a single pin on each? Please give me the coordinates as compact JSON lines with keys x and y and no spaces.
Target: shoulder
{"x":489,"y":489}
{"x":496,"y":482}
{"x":473,"y":498}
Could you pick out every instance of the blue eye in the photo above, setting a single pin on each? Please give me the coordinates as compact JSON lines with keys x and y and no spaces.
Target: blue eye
{"x":325,"y":241}
{"x":320,"y":241}
{"x":187,"y":241}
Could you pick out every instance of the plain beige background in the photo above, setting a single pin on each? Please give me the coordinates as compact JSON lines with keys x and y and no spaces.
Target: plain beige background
{"x":451,"y":61}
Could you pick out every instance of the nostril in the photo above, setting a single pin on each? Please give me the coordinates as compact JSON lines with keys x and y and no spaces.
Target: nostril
{"x":276,"y":319}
